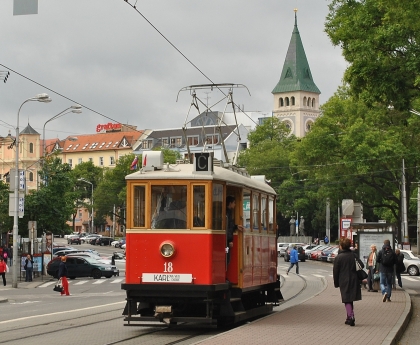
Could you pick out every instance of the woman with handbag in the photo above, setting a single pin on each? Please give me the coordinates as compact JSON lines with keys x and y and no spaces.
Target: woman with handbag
{"x":62,"y":274}
{"x":373,"y":267}
{"x":345,"y":277}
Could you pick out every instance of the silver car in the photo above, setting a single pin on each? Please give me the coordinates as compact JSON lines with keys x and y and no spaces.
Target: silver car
{"x":411,"y":262}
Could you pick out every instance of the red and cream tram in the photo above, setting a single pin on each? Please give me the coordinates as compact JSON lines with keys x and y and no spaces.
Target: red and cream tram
{"x":176,"y":260}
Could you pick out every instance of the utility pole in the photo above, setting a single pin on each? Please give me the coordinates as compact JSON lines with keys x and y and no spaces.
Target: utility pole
{"x":404,"y":225}
{"x":327,"y":218}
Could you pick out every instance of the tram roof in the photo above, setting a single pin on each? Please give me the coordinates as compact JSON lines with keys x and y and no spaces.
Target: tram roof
{"x":186,"y":172}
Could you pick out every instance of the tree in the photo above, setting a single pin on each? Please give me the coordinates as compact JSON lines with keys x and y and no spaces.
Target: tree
{"x":52,"y":204}
{"x":355,"y":152}
{"x":6,"y":222}
{"x":380,"y":40}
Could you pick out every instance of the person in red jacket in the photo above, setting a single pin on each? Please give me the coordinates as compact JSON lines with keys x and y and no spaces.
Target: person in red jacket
{"x":3,"y":270}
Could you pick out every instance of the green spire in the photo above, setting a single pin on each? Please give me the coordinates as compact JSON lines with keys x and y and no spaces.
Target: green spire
{"x":296,"y":74}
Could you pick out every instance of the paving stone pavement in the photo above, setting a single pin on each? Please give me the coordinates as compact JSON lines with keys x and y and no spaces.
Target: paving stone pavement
{"x":320,"y":320}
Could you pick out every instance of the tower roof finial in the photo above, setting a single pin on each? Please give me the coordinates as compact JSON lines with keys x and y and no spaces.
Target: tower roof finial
{"x":295,"y":10}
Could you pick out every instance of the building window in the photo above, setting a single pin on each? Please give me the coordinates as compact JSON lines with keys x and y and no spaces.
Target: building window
{"x":293,"y":100}
{"x":304,"y":101}
{"x":80,"y":160}
{"x":70,"y":162}
{"x":90,"y":159}
{"x":147,"y":144}
{"x":192,"y":140}
{"x":176,"y":142}
{"x":309,"y":101}
{"x":212,"y":139}
{"x":112,"y":160}
{"x":281,"y":102}
{"x":287,"y":101}
{"x":313,"y":102}
{"x":31,"y":176}
{"x":31,"y":148}
{"x":165,"y":142}
{"x":101,"y":161}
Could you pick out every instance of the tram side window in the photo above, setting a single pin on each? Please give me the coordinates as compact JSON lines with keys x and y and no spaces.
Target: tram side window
{"x":169,"y":207}
{"x":139,"y":206}
{"x":255,"y":212}
{"x":217,"y":207}
{"x":199,"y":205}
{"x":264,"y":213}
{"x":246,"y":197}
{"x":271,"y":213}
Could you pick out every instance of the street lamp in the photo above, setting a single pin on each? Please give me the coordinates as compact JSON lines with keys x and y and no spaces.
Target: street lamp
{"x":77,"y":109}
{"x":84,"y":180}
{"x":42,"y":97}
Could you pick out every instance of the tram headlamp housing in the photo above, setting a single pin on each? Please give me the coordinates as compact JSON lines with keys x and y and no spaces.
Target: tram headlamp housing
{"x":167,"y":249}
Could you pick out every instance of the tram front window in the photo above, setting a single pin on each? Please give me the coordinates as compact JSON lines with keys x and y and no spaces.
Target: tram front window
{"x":169,"y":207}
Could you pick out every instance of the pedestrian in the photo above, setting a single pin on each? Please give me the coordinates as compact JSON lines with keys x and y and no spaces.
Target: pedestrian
{"x":3,"y":270}
{"x":62,"y":274}
{"x":399,"y":266}
{"x":387,"y":259}
{"x":345,"y":277}
{"x":29,"y":267}
{"x":294,"y":260}
{"x":372,"y":266}
{"x":231,"y":226}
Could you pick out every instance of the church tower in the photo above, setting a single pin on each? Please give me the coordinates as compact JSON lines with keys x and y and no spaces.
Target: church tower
{"x":296,"y":97}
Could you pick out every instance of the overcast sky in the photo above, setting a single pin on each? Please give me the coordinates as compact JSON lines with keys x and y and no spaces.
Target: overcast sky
{"x":105,"y":56}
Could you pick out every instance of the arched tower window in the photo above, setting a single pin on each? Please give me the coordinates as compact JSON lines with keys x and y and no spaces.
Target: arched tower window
{"x":309,"y":102}
{"x":304,"y":101}
{"x":281,"y":102}
{"x":293,"y":100}
{"x":287,"y":101}
{"x":31,"y":176}
{"x":31,"y":148}
{"x":313,"y":102}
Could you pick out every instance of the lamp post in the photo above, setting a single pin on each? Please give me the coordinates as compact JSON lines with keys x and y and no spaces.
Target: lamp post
{"x":42,"y":97}
{"x":77,"y":109}
{"x":84,"y":180}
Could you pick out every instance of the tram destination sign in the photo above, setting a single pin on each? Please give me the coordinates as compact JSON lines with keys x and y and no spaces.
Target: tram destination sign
{"x":166,"y":278}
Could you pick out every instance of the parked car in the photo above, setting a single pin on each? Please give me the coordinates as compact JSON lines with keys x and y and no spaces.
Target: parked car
{"x":281,"y":250}
{"x":57,"y":249}
{"x":74,"y":240}
{"x":301,"y":252}
{"x":411,"y":262}
{"x":326,"y":252}
{"x":317,"y":250}
{"x":115,"y":244}
{"x":104,"y":260}
{"x":333,"y":254}
{"x":75,"y":251}
{"x":104,"y":241}
{"x":82,"y":266}
{"x":122,"y":241}
{"x":88,"y":238}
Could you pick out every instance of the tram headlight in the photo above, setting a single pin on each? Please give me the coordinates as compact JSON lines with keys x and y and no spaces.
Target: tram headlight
{"x":167,"y":249}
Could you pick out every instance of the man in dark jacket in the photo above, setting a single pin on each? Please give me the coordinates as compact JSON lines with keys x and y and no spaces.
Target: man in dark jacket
{"x":387,"y":259}
{"x":399,"y":266}
{"x":231,"y":226}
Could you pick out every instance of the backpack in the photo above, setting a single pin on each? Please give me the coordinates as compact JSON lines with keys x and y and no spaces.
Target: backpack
{"x":4,"y":255}
{"x":387,"y":257}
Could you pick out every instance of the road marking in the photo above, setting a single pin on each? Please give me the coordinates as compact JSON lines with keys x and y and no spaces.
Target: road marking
{"x":318,"y":275}
{"x":411,"y":279}
{"x":60,"y":312}
{"x":117,"y":280}
{"x":100,"y":281}
{"x":81,"y":282}
{"x":46,"y":284}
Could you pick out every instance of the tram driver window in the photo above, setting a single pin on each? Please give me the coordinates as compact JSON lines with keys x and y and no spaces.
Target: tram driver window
{"x":169,"y":207}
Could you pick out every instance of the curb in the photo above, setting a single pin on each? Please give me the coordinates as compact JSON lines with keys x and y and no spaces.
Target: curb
{"x":398,"y":330}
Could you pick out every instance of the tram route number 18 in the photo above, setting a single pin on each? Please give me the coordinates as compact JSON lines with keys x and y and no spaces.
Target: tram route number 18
{"x":167,"y":267}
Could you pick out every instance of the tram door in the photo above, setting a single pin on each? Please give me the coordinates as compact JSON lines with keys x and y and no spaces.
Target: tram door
{"x":233,"y":257}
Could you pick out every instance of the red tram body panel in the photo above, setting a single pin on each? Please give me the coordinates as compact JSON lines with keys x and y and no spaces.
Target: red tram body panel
{"x":178,"y":266}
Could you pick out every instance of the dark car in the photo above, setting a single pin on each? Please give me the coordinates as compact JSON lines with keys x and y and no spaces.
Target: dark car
{"x":104,"y":241}
{"x":301,"y":252}
{"x":82,"y":266}
{"x":74,"y":240}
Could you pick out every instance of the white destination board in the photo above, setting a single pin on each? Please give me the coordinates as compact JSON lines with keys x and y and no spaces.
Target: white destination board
{"x":166,"y":278}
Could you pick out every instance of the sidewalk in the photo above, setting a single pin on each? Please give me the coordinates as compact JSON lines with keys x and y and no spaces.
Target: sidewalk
{"x":21,"y":283}
{"x":320,"y":320}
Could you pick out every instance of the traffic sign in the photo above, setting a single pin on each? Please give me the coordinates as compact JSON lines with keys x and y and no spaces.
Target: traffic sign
{"x":21,"y":205}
